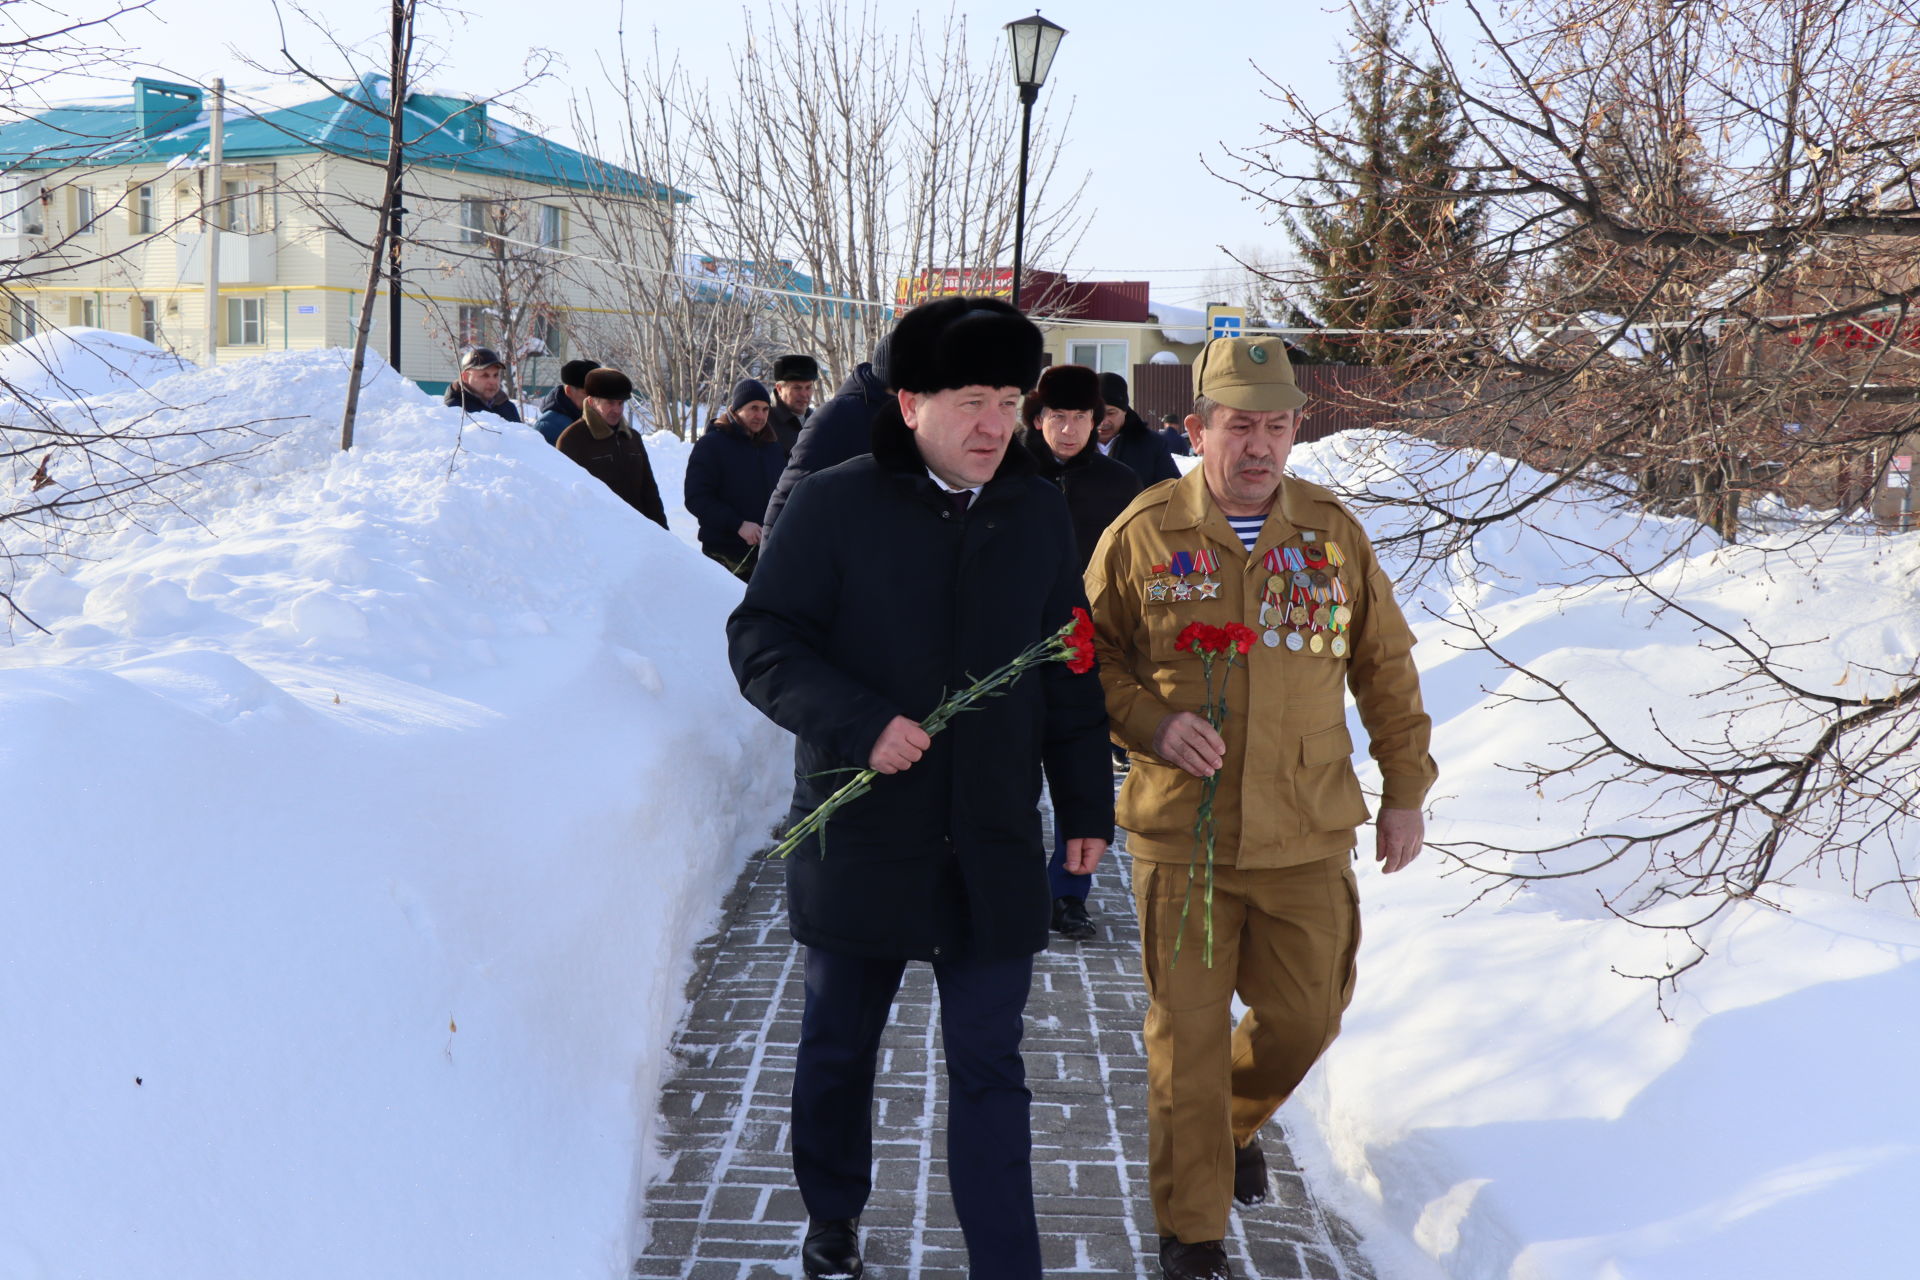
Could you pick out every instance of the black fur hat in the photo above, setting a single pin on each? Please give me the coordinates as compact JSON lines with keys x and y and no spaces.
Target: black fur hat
{"x":574,"y":373}
{"x":964,"y":342}
{"x":796,"y":369}
{"x":1066,"y":387}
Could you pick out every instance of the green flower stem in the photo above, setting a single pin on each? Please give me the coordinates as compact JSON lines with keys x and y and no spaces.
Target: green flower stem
{"x":1205,"y":829}
{"x":1053,"y":648}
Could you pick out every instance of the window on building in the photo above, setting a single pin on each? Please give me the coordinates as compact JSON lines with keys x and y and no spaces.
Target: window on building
{"x":243,"y":207}
{"x":149,"y":313}
{"x":20,"y":212}
{"x":143,"y":210}
{"x":246,"y":321}
{"x":473,"y":220}
{"x":553,"y":225}
{"x":85,"y":210}
{"x":26,"y":319}
{"x":83,"y":311}
{"x":473,"y":326}
{"x":1101,"y":357}
{"x":548,"y":338}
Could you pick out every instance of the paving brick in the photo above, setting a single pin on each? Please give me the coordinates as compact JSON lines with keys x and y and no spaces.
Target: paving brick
{"x":724,"y":1207}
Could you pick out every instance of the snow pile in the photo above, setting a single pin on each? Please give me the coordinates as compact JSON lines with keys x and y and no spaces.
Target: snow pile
{"x":76,"y":363}
{"x":1503,"y":1102}
{"x":361,"y":817}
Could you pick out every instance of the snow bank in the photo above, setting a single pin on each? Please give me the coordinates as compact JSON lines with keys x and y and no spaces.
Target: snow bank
{"x":75,"y":363}
{"x":361,"y":817}
{"x":1503,"y":1101}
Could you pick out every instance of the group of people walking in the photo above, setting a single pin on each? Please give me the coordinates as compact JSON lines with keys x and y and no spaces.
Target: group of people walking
{"x":951,"y":504}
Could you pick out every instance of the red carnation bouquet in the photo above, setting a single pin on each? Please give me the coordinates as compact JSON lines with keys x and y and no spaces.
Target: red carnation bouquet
{"x":1224,"y":645}
{"x":1071,"y":644}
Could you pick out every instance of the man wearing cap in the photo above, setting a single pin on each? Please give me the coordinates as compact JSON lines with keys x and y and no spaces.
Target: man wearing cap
{"x":1173,"y":430}
{"x":561,"y":408}
{"x":478,"y":388}
{"x":604,"y":443}
{"x":1125,"y":436}
{"x":1238,"y":541}
{"x":896,"y":577}
{"x":1058,"y":434}
{"x":731,"y":474}
{"x":794,"y":377}
{"x":842,"y":429}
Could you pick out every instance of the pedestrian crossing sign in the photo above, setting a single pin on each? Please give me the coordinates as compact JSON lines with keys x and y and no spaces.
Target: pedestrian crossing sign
{"x":1226,"y":322}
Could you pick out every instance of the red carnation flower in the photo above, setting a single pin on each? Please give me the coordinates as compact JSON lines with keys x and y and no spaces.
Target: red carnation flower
{"x":1190,"y":635}
{"x":1241,"y":635}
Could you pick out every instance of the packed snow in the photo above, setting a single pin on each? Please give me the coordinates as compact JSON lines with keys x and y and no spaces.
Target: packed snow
{"x":362,"y":815}
{"x":363,"y":811}
{"x":77,"y":363}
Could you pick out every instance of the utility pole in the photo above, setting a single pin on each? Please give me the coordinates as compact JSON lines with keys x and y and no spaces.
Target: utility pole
{"x":393,"y":273}
{"x":210,"y":207}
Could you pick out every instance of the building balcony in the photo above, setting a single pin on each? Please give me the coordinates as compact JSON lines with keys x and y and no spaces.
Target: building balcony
{"x":251,"y":259}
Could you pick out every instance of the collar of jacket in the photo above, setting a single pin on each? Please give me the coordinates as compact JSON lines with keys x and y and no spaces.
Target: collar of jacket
{"x":1044,"y":461}
{"x":898,"y":454}
{"x":1191,"y":506}
{"x":734,"y":427}
{"x":599,"y":426}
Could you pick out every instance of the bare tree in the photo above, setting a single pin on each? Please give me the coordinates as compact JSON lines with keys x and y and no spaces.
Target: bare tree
{"x":1703,"y":222}
{"x":842,"y":156}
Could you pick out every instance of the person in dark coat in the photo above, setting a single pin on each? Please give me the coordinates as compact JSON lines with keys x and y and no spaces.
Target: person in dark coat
{"x":605,"y":444}
{"x":842,"y":429}
{"x":1125,"y":436}
{"x":794,"y":378}
{"x":561,"y":408}
{"x":730,"y":476}
{"x":895,"y":578}
{"x":1058,"y":434}
{"x":478,"y":388}
{"x":1175,"y":434}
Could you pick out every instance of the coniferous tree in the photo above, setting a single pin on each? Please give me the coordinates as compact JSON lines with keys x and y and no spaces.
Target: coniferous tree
{"x":1378,"y":241}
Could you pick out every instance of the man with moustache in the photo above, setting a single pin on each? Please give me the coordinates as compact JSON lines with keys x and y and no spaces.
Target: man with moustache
{"x":607,"y":445}
{"x":894,"y":578}
{"x":1238,"y":541}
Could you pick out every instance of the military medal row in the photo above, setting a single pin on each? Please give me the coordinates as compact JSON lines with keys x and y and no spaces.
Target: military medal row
{"x":1304,"y":604}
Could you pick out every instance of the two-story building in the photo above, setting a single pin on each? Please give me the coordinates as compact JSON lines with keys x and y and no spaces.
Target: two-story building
{"x":105,"y":208}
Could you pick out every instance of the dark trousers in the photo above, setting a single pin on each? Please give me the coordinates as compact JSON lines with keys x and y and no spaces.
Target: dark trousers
{"x":989,"y":1140}
{"x":1064,"y":884}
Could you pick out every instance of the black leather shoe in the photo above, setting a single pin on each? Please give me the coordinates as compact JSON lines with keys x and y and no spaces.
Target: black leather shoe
{"x":1070,"y":919}
{"x":832,"y":1250}
{"x":1250,"y":1173}
{"x":1206,"y":1260}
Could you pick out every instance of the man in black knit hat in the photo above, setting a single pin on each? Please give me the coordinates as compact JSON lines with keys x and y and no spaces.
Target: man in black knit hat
{"x":1125,"y":436}
{"x":894,"y":578}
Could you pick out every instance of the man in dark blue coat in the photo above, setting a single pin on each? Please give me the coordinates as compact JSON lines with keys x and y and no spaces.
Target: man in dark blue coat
{"x":895,"y":578}
{"x":730,"y":475}
{"x":561,"y":408}
{"x":839,"y":429}
{"x":1126,"y":437}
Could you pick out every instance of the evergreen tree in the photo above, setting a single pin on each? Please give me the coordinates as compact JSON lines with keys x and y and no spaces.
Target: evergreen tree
{"x":1397,"y":210}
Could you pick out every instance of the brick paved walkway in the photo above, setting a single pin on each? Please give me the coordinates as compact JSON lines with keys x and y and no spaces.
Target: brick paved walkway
{"x":725,"y":1207}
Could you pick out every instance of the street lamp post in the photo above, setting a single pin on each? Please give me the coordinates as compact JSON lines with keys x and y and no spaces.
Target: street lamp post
{"x":1034,"y":41}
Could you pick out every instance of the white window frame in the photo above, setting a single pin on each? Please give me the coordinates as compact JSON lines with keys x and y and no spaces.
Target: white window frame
{"x":20,"y":212}
{"x":1105,"y":359}
{"x":473,"y":220}
{"x":86,"y":211}
{"x":84,"y":312}
{"x":147,"y":313}
{"x":553,"y":226}
{"x":26,"y":319}
{"x":246,"y":322}
{"x":142,"y":209}
{"x":472,"y":322}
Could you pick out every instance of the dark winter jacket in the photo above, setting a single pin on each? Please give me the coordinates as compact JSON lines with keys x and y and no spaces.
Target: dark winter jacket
{"x":730,"y":476}
{"x":786,"y":424}
{"x":462,"y":395}
{"x":1097,"y":488}
{"x":557,"y":413}
{"x":619,"y":458}
{"x":1139,"y":447}
{"x":838,"y":430}
{"x":874,"y":601}
{"x":1177,"y":442}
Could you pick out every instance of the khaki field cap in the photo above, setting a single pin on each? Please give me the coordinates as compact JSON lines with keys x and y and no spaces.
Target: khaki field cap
{"x":1247,"y":373}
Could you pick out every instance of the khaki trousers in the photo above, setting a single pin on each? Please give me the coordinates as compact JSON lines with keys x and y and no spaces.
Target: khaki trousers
{"x":1284,"y":940}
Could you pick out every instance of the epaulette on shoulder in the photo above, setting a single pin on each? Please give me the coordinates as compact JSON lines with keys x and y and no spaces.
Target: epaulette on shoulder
{"x":1151,"y":498}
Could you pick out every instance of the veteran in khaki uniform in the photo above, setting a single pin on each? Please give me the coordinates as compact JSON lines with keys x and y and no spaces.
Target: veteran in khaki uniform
{"x":1236,"y":540}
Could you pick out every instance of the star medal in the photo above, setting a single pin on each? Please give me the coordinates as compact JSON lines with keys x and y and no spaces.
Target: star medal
{"x":1207,"y":561}
{"x":1157,"y":592}
{"x":1182,"y":591}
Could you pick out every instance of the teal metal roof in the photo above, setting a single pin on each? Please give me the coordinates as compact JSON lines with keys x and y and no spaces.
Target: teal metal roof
{"x":166,"y":122}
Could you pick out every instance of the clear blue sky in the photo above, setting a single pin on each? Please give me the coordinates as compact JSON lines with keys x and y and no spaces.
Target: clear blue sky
{"x":1155,"y":87}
